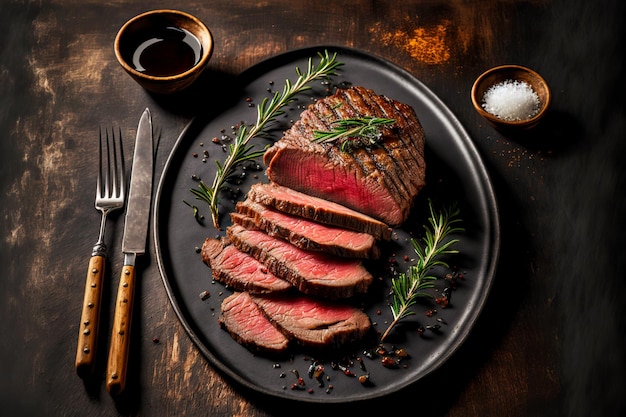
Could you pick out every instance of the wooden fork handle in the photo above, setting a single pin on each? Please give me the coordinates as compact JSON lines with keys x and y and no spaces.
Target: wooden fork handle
{"x":90,"y":317}
{"x":120,"y":337}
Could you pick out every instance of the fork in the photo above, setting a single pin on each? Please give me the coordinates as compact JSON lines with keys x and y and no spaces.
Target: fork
{"x":110,"y":191}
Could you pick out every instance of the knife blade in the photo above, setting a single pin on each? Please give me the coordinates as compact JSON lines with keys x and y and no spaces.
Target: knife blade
{"x":133,"y":244}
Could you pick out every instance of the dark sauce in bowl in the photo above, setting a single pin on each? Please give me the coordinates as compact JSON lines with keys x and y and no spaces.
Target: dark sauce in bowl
{"x":168,"y":52}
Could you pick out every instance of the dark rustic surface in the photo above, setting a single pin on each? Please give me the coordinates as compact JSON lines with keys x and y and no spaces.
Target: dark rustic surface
{"x":551,"y":340}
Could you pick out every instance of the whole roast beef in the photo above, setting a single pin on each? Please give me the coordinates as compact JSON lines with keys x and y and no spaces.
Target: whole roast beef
{"x":380,"y":180}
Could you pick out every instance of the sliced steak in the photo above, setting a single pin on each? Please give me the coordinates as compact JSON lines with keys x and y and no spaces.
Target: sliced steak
{"x":305,"y":234}
{"x":323,"y":211}
{"x":314,"y":323}
{"x":249,"y":326}
{"x":380,"y":181}
{"x":239,"y":270}
{"x":314,"y":273}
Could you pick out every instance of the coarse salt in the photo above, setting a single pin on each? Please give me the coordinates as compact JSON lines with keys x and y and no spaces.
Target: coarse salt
{"x":511,"y":100}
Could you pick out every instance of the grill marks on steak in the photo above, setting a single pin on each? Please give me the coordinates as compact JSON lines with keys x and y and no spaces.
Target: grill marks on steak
{"x":268,"y":324}
{"x":249,"y":326}
{"x":380,"y":181}
{"x":313,"y":273}
{"x":305,"y":234}
{"x":239,"y":270}
{"x":317,"y":209}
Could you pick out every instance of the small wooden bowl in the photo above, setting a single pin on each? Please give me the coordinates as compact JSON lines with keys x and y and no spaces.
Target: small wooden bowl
{"x":516,"y":73}
{"x":145,"y":27}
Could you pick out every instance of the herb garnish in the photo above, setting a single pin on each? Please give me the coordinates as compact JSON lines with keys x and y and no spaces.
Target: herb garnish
{"x":356,"y":132}
{"x":408,"y":287}
{"x":240,"y":151}
{"x":196,"y":213}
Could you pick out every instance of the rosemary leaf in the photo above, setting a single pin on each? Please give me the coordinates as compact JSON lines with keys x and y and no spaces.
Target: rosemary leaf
{"x":408,"y":287}
{"x":267,"y":111}
{"x":355,"y":132}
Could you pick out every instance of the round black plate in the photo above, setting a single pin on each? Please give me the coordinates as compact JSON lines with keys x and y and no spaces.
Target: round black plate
{"x":455,"y":174}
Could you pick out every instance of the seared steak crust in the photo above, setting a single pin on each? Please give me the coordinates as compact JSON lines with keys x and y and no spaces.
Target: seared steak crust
{"x":380,"y":181}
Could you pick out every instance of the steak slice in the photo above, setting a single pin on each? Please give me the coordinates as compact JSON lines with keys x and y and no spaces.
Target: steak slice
{"x":249,"y":326}
{"x":314,"y":323}
{"x":239,"y":270}
{"x":380,"y":180}
{"x":323,"y":211}
{"x":305,"y":234}
{"x":314,"y":273}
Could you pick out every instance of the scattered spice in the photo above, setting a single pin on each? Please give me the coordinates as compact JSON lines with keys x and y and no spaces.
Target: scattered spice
{"x":388,"y":362}
{"x":428,"y":45}
{"x":511,"y":100}
{"x":401,"y":353}
{"x":319,"y":372}
{"x":361,"y":364}
{"x":433,"y":327}
{"x":364,"y":379}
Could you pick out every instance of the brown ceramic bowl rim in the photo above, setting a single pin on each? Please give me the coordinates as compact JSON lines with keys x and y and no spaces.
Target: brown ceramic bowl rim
{"x":206,"y":54}
{"x":477,"y":101}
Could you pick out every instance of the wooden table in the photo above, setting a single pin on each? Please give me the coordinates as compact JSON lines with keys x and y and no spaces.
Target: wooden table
{"x":551,"y":338}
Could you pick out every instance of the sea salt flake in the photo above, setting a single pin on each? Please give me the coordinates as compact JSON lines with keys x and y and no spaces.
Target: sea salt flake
{"x":511,"y":100}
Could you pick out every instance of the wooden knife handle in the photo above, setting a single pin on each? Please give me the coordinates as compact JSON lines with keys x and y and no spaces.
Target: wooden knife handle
{"x":90,"y":317}
{"x":120,"y":337}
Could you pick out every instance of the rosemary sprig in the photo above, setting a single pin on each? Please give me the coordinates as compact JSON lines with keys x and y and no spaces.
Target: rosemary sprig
{"x":407,"y":288}
{"x":356,"y":132}
{"x":267,"y":111}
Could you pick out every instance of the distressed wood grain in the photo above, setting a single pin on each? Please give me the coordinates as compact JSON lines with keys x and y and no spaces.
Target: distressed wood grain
{"x":550,"y":341}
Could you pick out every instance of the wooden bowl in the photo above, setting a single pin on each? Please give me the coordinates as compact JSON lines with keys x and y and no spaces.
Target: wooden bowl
{"x":503,"y":73}
{"x":164,"y":50}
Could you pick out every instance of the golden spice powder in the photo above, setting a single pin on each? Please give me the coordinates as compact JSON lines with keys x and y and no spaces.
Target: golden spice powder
{"x":425,"y":44}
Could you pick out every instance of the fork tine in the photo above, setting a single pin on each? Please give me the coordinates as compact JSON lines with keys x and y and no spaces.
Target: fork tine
{"x":99,"y":179}
{"x":108,"y":168}
{"x":121,"y":172}
{"x":113,"y":166}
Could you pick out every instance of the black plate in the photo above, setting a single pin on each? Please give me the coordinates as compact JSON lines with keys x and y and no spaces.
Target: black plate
{"x":455,"y":173}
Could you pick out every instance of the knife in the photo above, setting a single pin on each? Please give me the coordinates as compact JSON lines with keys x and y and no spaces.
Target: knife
{"x":133,"y":244}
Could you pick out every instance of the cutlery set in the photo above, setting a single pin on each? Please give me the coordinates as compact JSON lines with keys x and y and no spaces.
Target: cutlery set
{"x":110,"y":196}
